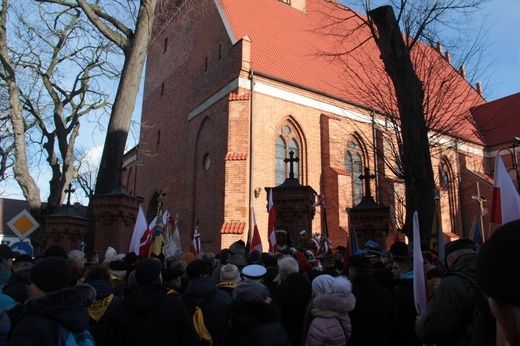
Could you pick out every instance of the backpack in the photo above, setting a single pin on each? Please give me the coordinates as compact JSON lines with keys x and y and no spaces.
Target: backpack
{"x":482,"y":329}
{"x":198,"y":316}
{"x":68,"y":338}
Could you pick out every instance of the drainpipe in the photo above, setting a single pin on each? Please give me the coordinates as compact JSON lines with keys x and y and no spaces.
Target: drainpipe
{"x":374,"y":143}
{"x":251,"y":98}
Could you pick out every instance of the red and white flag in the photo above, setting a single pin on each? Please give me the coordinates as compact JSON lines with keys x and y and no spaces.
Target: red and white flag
{"x":140,"y":228}
{"x":505,"y":204}
{"x":256,"y":242}
{"x":271,"y":223}
{"x":195,"y":247}
{"x":419,"y":281}
{"x":146,"y":239}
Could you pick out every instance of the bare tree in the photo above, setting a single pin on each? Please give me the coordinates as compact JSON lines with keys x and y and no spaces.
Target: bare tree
{"x":51,"y":65}
{"x":420,"y":88}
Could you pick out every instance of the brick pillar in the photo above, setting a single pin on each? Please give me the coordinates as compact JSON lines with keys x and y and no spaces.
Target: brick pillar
{"x":370,"y":221}
{"x":67,"y":228}
{"x":293,"y":206}
{"x":114,"y":216}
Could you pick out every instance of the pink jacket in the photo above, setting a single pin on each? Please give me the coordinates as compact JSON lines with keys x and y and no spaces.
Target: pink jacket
{"x":330,"y":323}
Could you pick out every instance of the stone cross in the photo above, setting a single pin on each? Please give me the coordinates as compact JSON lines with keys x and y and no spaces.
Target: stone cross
{"x":68,"y":192}
{"x":291,"y":160}
{"x":366,"y":177}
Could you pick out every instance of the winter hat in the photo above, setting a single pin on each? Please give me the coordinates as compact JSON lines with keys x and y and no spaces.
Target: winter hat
{"x":131,"y":259}
{"x":238,"y":248}
{"x":250,"y":292}
{"x":170,"y":274}
{"x":459,"y":244}
{"x":23,"y":258}
{"x":50,"y":274}
{"x":147,"y":271}
{"x":5,"y":271}
{"x":399,"y":248}
{"x":230,"y":273}
{"x":498,"y":262}
{"x":342,"y":284}
{"x":54,"y":251}
{"x":188,"y":257}
{"x":196,"y":268}
{"x":5,"y":251}
{"x":359,"y":262}
{"x":117,"y":265}
{"x":323,"y":284}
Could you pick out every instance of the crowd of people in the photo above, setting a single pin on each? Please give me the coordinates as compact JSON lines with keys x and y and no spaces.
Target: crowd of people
{"x":236,"y":297}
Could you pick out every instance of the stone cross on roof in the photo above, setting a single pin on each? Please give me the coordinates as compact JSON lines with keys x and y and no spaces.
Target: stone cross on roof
{"x":291,"y":160}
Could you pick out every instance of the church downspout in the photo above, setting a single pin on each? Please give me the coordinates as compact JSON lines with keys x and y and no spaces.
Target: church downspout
{"x":251,"y":99}
{"x":374,"y":141}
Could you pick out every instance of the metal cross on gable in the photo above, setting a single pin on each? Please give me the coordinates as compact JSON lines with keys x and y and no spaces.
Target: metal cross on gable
{"x":366,"y":177}
{"x":291,"y":160}
{"x":68,"y":192}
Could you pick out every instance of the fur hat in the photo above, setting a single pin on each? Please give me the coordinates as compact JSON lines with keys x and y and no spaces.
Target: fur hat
{"x":147,"y":271}
{"x":5,"y":271}
{"x":54,"y":251}
{"x":196,"y":268}
{"x":50,"y":274}
{"x":459,"y":244}
{"x":399,"y":248}
{"x":169,"y":274}
{"x":250,"y":292}
{"x":238,"y":248}
{"x":498,"y":264}
{"x":230,"y":273}
{"x":131,"y":259}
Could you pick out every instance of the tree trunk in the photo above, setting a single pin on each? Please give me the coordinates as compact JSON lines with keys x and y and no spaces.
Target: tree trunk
{"x":417,"y":165}
{"x":109,"y":175}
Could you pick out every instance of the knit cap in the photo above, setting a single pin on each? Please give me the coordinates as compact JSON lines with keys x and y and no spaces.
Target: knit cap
{"x":229,"y":273}
{"x":238,"y":248}
{"x":54,"y":251}
{"x":50,"y":274}
{"x":196,"y":269}
{"x":323,"y":284}
{"x":250,"y":292}
{"x":147,"y":271}
{"x":5,"y":271}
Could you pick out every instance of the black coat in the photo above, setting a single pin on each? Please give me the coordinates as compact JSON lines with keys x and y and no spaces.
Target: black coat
{"x":373,"y":316}
{"x":255,"y":324}
{"x":148,"y":316}
{"x":38,"y":324}
{"x":292,"y":297}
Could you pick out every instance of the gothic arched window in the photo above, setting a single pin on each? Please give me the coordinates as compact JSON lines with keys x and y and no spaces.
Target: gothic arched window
{"x":447,"y":185}
{"x":286,"y":142}
{"x":354,"y":166}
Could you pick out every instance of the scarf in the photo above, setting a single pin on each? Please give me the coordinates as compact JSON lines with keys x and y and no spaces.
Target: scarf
{"x":98,"y":308}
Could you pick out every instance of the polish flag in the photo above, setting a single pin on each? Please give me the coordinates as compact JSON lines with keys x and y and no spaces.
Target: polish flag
{"x":505,"y":204}
{"x":195,"y":245}
{"x":271,"y":223}
{"x":256,"y":242}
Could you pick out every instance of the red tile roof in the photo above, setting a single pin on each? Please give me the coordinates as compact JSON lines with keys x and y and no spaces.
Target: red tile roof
{"x":499,"y":120}
{"x":233,"y":228}
{"x":239,"y":97}
{"x":286,"y":43}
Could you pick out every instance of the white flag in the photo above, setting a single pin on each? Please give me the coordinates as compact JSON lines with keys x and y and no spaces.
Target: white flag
{"x":505,"y":204}
{"x":419,"y":284}
{"x":139,"y":229}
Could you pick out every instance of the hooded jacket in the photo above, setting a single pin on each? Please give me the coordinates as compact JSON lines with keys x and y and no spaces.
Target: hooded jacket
{"x":38,"y":323}
{"x":330,"y":321}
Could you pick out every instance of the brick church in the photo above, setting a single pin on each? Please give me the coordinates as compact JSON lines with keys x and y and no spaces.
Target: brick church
{"x":234,"y":86}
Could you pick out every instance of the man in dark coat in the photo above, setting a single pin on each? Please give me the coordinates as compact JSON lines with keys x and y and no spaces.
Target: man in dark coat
{"x":148,"y":315}
{"x":404,"y":302}
{"x":254,"y":320}
{"x":51,"y":304}
{"x":202,"y":292}
{"x":373,"y":316}
{"x":292,"y":297}
{"x":450,"y":310}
